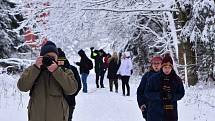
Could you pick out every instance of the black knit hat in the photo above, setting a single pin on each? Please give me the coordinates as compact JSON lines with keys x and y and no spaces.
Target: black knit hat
{"x":49,"y":46}
{"x":167,"y":60}
{"x":61,"y":55}
{"x":81,"y":53}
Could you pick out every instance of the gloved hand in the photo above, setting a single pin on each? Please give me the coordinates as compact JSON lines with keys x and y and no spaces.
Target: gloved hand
{"x":91,"y":48}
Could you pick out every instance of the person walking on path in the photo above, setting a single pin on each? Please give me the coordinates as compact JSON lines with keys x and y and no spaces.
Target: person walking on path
{"x":162,"y":92}
{"x":112,"y":71}
{"x":125,"y":71}
{"x":98,"y":56}
{"x":85,"y":65}
{"x":64,"y":63}
{"x":141,"y":99}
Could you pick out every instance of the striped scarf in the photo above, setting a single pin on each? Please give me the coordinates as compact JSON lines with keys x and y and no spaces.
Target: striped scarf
{"x":166,"y":96}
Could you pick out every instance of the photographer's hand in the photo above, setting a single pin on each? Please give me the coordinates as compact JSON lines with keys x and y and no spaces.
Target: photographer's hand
{"x":39,"y":62}
{"x":52,"y":67}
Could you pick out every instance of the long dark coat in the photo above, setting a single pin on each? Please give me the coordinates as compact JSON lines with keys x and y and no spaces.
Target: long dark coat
{"x":155,"y":104}
{"x":112,"y":69}
{"x":141,"y":99}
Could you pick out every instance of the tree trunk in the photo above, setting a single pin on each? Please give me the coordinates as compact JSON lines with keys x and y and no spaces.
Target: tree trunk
{"x":186,"y":48}
{"x":191,"y":63}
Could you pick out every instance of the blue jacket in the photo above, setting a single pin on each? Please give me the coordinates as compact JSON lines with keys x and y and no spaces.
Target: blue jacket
{"x":141,"y":99}
{"x":155,"y":104}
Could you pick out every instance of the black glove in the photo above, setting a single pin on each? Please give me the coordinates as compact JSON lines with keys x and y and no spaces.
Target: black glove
{"x":131,"y":72}
{"x":91,"y":48}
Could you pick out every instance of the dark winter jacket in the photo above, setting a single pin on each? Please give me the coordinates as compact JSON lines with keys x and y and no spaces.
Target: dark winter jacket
{"x":71,"y":98}
{"x":141,"y":99}
{"x":105,"y":63}
{"x":112,"y":69}
{"x":98,"y":61}
{"x":84,"y":63}
{"x":153,"y":95}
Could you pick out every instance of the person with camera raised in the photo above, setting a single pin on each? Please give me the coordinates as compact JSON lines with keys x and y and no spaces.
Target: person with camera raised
{"x":47,"y":83}
{"x":98,"y":56}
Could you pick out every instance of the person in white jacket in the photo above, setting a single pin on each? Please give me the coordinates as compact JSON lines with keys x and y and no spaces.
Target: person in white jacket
{"x":125,"y":71}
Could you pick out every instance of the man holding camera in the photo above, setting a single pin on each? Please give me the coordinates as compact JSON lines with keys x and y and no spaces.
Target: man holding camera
{"x":48,"y":83}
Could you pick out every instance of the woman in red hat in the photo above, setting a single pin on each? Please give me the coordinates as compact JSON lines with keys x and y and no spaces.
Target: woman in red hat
{"x":141,"y":99}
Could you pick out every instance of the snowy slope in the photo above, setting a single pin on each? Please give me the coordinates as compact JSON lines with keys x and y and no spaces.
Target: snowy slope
{"x":102,"y":105}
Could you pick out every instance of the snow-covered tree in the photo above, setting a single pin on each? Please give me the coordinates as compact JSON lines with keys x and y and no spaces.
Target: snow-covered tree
{"x":80,"y":24}
{"x":9,"y":39}
{"x":139,"y":26}
{"x":198,"y":34}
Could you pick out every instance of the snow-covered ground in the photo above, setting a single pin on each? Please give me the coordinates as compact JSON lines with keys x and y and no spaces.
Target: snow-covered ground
{"x":102,"y":105}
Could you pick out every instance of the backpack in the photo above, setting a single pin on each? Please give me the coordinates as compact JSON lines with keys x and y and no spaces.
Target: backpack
{"x":71,"y":98}
{"x":89,"y":64}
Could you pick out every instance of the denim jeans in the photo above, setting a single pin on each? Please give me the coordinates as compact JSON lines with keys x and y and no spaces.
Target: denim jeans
{"x":84,"y":81}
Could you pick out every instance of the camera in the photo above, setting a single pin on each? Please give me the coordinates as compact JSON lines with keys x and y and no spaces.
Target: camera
{"x":47,"y":61}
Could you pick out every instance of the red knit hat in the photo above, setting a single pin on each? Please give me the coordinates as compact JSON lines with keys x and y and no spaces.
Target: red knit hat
{"x":156,"y":58}
{"x":167,"y":60}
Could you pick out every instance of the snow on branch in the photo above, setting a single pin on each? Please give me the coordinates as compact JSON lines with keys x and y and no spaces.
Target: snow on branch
{"x":96,"y":3}
{"x":145,"y":28}
{"x":130,"y":10}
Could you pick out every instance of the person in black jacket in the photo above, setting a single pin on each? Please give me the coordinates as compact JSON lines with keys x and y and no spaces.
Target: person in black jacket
{"x":62,"y":61}
{"x":98,"y":56}
{"x":162,"y":92}
{"x":112,"y":71}
{"x":85,"y":65}
{"x":141,"y":99}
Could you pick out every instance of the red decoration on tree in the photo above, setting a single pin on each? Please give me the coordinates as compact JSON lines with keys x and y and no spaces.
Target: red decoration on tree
{"x":29,"y":36}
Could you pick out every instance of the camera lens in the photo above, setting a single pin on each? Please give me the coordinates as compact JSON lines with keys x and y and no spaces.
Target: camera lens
{"x":47,"y":61}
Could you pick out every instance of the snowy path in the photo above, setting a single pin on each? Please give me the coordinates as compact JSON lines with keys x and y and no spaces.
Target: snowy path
{"x":102,"y":105}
